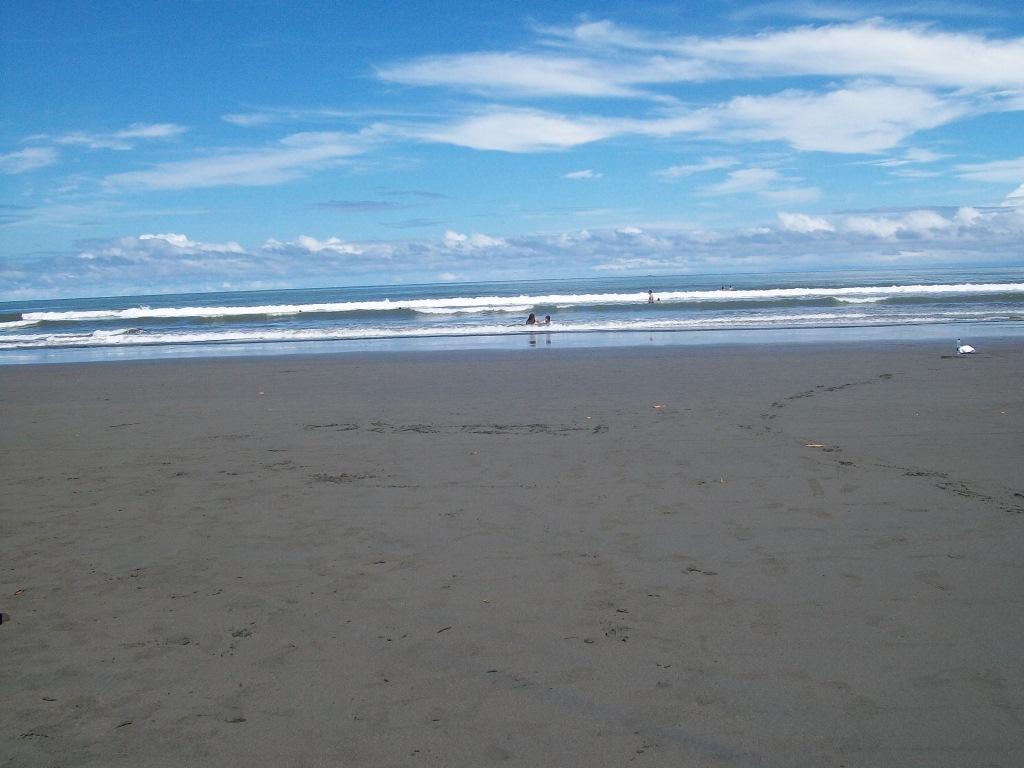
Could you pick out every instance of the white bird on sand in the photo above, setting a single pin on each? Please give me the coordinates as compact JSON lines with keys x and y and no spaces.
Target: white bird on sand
{"x":964,"y":349}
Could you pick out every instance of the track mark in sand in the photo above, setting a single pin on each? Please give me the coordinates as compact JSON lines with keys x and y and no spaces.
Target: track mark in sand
{"x":915,"y":472}
{"x":481,"y":429}
{"x":697,"y":569}
{"x":766,"y":624}
{"x":885,"y":542}
{"x":822,"y":388}
{"x":961,"y":489}
{"x":958,"y":488}
{"x":521,"y":429}
{"x":816,"y":489}
{"x":797,"y":396}
{"x":323,"y":477}
{"x":932,"y":579}
{"x":616,"y":630}
{"x":382,"y":427}
{"x":423,"y":429}
{"x":176,"y":640}
{"x":286,"y":464}
{"x":237,"y":633}
{"x":337,"y":427}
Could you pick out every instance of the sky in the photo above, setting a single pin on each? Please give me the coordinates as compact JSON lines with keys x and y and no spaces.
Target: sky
{"x":210,"y":145}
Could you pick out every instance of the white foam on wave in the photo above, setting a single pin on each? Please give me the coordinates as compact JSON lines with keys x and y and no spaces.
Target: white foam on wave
{"x":517,"y":304}
{"x":130,"y":336}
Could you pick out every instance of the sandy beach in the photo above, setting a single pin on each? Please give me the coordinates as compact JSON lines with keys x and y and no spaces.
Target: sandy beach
{"x":737,"y":556}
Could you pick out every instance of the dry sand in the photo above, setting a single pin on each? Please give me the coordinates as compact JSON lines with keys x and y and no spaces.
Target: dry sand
{"x":742,"y":556}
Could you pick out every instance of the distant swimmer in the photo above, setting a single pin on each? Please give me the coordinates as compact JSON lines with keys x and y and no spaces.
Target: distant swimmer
{"x":547,"y":320}
{"x":650,"y":297}
{"x":532,"y":319}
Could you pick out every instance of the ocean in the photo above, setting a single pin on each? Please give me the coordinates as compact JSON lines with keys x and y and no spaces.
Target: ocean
{"x":687,"y":309}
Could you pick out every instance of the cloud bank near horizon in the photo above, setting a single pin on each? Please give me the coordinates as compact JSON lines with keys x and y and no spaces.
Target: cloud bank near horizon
{"x":796,"y":242}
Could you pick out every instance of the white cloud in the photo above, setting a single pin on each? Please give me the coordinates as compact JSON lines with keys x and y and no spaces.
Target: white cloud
{"x":605,"y":60}
{"x":457,"y":240}
{"x":124,"y":139}
{"x":587,"y":174}
{"x":875,"y":48}
{"x":519,"y":130}
{"x":854,"y":120}
{"x":998,"y":171}
{"x":746,"y":180}
{"x":294,"y":157}
{"x":804,"y":224}
{"x":280,"y":115}
{"x":676,"y":172}
{"x":865,"y":88}
{"x":538,"y":75}
{"x":169,"y":261}
{"x":183,"y":242}
{"x":28,"y":160}
{"x":872,"y":48}
{"x":1016,"y":197}
{"x":151,"y":131}
{"x":860,"y":119}
{"x":305,"y":244}
{"x":766,"y":183}
{"x":332,"y":244}
{"x":926,"y":224}
{"x":252,"y":119}
{"x":863,"y":118}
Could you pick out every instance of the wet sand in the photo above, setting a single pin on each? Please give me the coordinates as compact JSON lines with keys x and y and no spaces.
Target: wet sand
{"x":737,"y":556}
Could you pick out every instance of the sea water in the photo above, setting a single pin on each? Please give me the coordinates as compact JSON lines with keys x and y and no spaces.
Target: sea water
{"x":687,"y":309}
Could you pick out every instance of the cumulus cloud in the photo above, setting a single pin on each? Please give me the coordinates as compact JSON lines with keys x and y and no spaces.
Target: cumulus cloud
{"x":453,"y":239}
{"x":147,"y":263}
{"x":182,"y":241}
{"x":946,"y":228}
{"x":332,"y":244}
{"x":803,"y":223}
{"x":159,"y":262}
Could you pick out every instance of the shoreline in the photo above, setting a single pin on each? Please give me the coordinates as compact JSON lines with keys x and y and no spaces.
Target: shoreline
{"x":548,"y":337}
{"x":738,"y":555}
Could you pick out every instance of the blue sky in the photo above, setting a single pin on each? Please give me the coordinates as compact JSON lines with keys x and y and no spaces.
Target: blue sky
{"x":232,"y":144}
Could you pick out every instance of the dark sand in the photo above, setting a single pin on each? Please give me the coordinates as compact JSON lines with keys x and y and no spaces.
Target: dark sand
{"x":742,"y":556}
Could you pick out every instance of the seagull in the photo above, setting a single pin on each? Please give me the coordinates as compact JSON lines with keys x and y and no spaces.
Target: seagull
{"x":964,"y":349}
